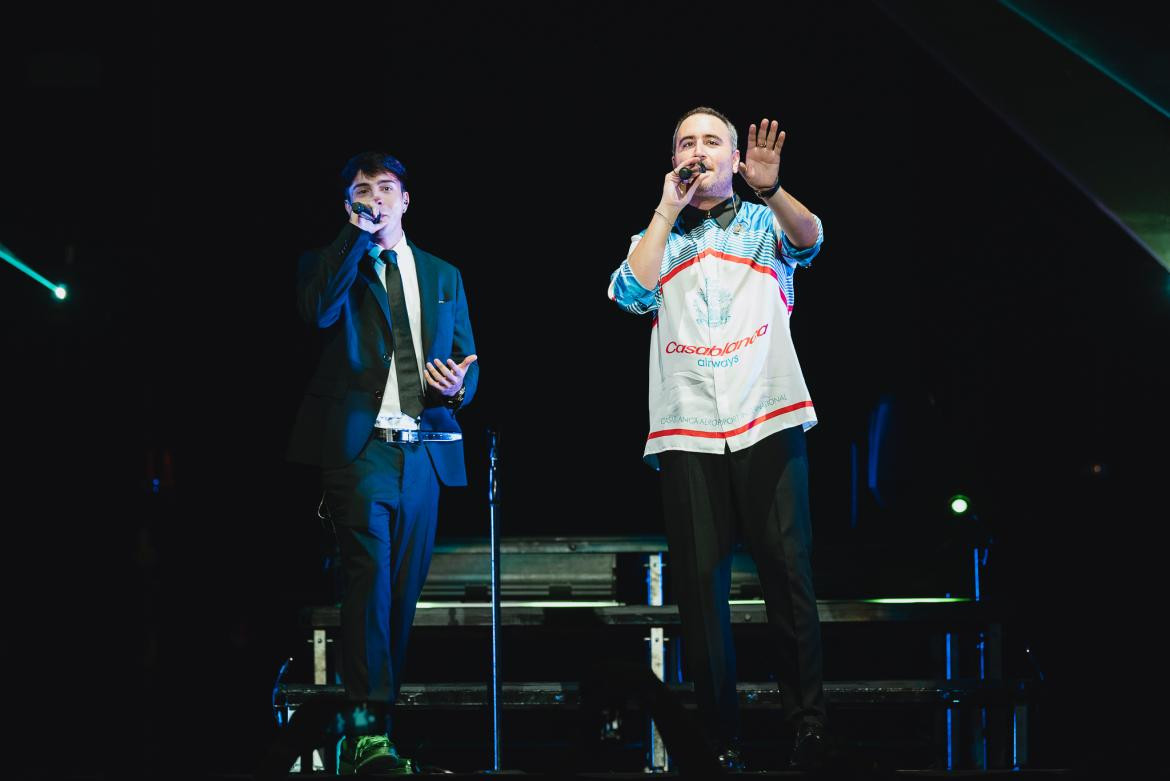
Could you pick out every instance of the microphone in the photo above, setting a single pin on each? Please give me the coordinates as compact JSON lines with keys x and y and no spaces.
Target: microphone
{"x":685,"y":173}
{"x":365,"y":211}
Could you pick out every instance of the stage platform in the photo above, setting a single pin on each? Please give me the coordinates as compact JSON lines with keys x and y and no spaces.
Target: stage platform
{"x":570,"y":604}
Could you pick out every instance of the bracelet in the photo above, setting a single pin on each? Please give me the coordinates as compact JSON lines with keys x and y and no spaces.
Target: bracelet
{"x":766,"y":194}
{"x":663,"y":216}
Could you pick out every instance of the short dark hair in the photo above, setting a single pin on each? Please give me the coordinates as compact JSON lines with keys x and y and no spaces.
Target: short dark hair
{"x":704,"y":110}
{"x":371,"y":164}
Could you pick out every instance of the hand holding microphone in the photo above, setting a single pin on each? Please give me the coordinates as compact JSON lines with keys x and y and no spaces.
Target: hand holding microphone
{"x":362,"y":215}
{"x":679,"y":188}
{"x":686,"y":173}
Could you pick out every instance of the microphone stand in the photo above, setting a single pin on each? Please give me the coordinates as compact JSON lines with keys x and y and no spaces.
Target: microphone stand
{"x":495,"y":688}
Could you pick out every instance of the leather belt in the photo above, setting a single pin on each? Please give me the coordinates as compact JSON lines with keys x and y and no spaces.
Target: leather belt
{"x":412,"y":436}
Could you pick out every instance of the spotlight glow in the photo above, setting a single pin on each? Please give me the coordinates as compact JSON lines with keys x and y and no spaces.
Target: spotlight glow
{"x":15,"y":262}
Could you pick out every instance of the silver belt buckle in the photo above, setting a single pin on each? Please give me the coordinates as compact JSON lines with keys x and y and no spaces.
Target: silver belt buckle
{"x":409,"y":436}
{"x":397,"y":435}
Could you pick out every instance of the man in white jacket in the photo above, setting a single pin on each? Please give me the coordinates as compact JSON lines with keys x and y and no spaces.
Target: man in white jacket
{"x":728,"y":410}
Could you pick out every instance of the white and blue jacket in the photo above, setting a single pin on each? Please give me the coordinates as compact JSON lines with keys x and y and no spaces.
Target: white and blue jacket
{"x":723,"y":368}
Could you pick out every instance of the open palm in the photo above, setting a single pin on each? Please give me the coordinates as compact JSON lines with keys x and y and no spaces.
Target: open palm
{"x":761,"y":165}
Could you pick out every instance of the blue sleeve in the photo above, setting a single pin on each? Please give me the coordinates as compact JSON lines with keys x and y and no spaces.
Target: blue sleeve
{"x":627,"y":292}
{"x":800,"y":257}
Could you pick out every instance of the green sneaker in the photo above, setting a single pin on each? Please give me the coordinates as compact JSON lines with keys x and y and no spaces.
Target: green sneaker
{"x":370,"y":754}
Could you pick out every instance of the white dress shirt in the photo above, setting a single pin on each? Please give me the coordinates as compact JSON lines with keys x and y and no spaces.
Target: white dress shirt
{"x":390,"y":415}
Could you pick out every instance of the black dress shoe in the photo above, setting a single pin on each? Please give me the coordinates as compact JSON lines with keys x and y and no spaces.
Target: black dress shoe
{"x":729,"y":758}
{"x":809,"y":751}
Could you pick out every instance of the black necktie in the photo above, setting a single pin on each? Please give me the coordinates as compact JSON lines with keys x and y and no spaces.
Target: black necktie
{"x":410,"y":392}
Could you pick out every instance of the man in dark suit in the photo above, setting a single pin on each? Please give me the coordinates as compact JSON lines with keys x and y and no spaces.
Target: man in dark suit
{"x":378,"y":418}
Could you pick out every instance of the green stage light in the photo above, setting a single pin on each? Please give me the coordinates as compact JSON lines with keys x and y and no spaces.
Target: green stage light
{"x":960,"y":504}
{"x":60,"y":292}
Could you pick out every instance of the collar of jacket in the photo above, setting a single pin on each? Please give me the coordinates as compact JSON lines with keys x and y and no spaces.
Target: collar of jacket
{"x":723,"y":213}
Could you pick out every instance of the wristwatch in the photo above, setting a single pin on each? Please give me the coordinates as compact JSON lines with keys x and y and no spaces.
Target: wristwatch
{"x":766,"y":194}
{"x":454,"y":402}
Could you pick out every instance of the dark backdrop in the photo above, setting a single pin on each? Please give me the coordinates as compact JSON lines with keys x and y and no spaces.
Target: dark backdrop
{"x":169,"y":167}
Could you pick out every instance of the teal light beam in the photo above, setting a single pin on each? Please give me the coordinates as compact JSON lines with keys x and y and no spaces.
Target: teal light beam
{"x":58,"y":290}
{"x":1082,"y":52}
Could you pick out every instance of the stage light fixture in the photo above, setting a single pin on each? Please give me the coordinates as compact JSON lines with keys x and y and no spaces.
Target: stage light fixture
{"x":960,"y":504}
{"x":58,"y":290}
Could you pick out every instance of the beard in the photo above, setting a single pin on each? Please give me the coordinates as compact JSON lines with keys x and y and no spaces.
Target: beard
{"x":719,"y":187}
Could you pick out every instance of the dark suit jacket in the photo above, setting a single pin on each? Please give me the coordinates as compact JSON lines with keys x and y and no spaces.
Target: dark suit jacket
{"x":339,"y":291}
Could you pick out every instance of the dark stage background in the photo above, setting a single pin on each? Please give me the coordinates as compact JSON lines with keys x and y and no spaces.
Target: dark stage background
{"x":169,"y":168}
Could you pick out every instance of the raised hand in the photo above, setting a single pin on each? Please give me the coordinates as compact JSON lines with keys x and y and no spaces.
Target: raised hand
{"x":761,"y":165}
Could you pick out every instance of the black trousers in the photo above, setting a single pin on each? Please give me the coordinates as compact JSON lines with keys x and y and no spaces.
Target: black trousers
{"x":759,"y":495}
{"x":384,"y":506}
